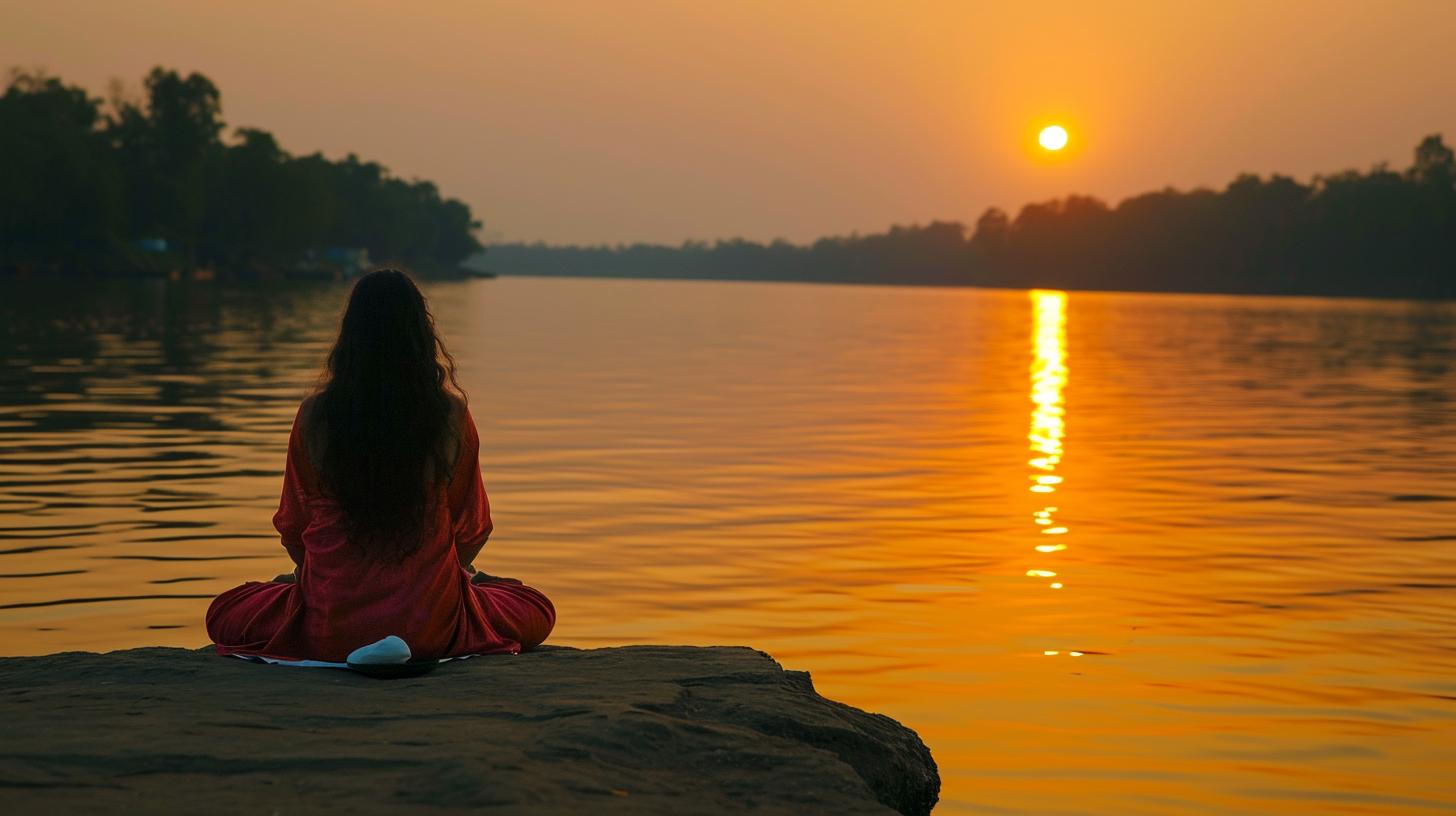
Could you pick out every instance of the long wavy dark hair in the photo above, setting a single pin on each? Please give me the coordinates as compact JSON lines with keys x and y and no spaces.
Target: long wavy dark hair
{"x":382,"y":417}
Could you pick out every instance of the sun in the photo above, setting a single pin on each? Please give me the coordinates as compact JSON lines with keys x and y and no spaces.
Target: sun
{"x":1053,"y":137}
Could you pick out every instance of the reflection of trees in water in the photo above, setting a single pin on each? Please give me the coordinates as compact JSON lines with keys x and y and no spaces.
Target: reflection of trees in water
{"x":1318,"y":346}
{"x":1344,"y":337}
{"x":118,"y":345}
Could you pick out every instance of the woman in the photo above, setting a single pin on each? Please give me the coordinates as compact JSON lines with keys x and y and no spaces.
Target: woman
{"x":383,"y":510}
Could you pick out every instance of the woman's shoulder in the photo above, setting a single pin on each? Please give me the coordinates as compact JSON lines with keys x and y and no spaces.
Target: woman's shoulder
{"x":308,"y":427}
{"x":462,"y":425}
{"x":459,"y":408}
{"x":307,"y":415}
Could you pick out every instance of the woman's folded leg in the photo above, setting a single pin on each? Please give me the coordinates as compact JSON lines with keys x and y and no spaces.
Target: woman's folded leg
{"x":246,"y":617}
{"x":517,"y":611}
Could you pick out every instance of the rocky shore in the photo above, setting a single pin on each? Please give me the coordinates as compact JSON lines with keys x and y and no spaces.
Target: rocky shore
{"x":638,"y":729}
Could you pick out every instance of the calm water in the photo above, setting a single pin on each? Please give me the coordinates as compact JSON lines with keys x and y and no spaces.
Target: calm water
{"x":1106,"y":553}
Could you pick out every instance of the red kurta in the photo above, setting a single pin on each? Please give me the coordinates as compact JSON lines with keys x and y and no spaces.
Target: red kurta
{"x":343,"y":601}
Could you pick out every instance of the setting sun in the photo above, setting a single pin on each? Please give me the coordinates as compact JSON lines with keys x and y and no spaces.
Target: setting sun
{"x":1053,"y":137}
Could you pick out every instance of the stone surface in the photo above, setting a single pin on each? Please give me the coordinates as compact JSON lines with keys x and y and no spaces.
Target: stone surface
{"x":638,"y":729}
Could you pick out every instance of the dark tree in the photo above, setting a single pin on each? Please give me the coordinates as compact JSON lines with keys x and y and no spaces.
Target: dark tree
{"x":80,"y":191}
{"x":59,"y":186}
{"x":1435,"y":163}
{"x":165,"y":150}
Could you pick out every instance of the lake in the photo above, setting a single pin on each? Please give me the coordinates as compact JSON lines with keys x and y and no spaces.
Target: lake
{"x":1106,"y":553}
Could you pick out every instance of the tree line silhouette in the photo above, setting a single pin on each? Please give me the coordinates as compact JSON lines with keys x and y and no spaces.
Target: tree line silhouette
{"x":1381,"y":233}
{"x":148,"y":185}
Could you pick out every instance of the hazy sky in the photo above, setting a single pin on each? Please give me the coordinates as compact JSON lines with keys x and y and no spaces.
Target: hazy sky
{"x":609,"y":120}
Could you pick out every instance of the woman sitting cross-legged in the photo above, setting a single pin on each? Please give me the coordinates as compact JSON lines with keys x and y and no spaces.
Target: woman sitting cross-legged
{"x":383,"y":510}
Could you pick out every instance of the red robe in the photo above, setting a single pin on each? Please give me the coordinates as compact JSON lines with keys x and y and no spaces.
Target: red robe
{"x":343,"y":601}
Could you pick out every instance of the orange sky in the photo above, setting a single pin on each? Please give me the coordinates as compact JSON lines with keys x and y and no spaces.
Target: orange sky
{"x":660,"y":121}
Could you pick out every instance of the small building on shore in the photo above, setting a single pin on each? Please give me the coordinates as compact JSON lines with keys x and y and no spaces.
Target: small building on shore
{"x":332,"y":263}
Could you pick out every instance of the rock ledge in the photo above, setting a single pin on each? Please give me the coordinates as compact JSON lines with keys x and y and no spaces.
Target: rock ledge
{"x":637,"y":729}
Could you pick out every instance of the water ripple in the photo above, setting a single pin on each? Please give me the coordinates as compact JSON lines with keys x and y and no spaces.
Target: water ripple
{"x":1106,"y":553}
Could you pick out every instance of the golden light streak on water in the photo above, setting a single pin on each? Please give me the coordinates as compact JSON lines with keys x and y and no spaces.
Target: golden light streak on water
{"x":1048,"y":413}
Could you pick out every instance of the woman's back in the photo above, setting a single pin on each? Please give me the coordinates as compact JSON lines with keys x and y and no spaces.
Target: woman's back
{"x":383,"y":545}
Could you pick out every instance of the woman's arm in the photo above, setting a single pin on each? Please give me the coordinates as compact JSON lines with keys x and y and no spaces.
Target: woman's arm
{"x":293,"y":515}
{"x":469,"y":507}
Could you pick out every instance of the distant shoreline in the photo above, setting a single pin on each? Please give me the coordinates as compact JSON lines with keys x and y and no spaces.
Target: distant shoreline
{"x":982,"y":286}
{"x":1380,"y":234}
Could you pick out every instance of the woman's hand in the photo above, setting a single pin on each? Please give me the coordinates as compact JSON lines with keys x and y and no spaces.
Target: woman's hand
{"x":482,"y":578}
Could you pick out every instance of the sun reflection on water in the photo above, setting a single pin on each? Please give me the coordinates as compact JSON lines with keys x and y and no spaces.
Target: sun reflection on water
{"x":1048,"y":415}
